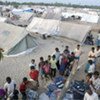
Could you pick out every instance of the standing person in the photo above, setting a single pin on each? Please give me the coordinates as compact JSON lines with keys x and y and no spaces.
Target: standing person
{"x":96,"y":81}
{"x":66,"y":51}
{"x":49,"y":59}
{"x":90,"y":95}
{"x":53,"y":66}
{"x":34,"y":74}
{"x":41,"y":64}
{"x":57,"y":55}
{"x":33,"y":64}
{"x":22,"y":88}
{"x":92,"y":55}
{"x":9,"y":87}
{"x":78,"y":53}
{"x":47,"y":69}
{"x":91,"y":68}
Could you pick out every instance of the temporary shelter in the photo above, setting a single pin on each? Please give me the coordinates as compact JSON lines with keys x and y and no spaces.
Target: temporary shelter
{"x":15,"y":40}
{"x":22,"y":20}
{"x":44,"y":26}
{"x":77,"y":32}
{"x":90,"y":17}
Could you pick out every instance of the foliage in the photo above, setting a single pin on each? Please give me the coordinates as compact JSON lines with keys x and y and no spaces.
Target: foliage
{"x":16,"y":4}
{"x":1,"y":54}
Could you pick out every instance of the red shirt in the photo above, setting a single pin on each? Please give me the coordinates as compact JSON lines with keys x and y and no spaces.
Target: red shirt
{"x":34,"y":75}
{"x":22,"y":87}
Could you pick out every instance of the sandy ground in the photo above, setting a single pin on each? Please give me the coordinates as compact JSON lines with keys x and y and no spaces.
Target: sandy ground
{"x":18,"y":67}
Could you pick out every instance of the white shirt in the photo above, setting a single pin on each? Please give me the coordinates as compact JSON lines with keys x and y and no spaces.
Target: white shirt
{"x":94,"y":96}
{"x":9,"y":87}
{"x":36,"y":67}
{"x":96,"y":83}
{"x":91,"y":68}
{"x":57,"y":54}
{"x":77,"y":52}
{"x":97,"y":53}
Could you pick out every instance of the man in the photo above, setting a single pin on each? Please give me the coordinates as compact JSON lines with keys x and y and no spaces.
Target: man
{"x":53,"y":66}
{"x":9,"y":87}
{"x":41,"y":64}
{"x":22,"y":88}
{"x":26,"y":86}
{"x":66,"y":51}
{"x":78,"y":53}
{"x":90,"y":95}
{"x":92,"y":54}
{"x":57,"y":55}
{"x":91,"y":67}
{"x":96,"y":81}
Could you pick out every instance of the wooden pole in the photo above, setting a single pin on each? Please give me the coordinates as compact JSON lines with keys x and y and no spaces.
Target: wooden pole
{"x":66,"y":86}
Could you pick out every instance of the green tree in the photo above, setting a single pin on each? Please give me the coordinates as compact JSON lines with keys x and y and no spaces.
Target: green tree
{"x":1,"y":54}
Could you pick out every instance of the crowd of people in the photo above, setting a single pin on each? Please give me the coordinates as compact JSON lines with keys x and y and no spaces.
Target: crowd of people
{"x":57,"y":64}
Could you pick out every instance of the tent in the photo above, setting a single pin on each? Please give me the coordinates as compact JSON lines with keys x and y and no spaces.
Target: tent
{"x":23,"y":19}
{"x":77,"y":32}
{"x":15,"y":40}
{"x":43,"y":26}
{"x":90,"y":17}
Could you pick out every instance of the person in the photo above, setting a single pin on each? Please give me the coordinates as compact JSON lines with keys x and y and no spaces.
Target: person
{"x":15,"y":95}
{"x":89,"y":39}
{"x":97,"y":54}
{"x":92,"y":55}
{"x":34,"y":73}
{"x":98,"y":40}
{"x":57,"y":55}
{"x":63,"y":65}
{"x":26,"y":86}
{"x":88,"y":79}
{"x":49,"y":59}
{"x":47,"y":69}
{"x":2,"y":94}
{"x":78,"y":53}
{"x":9,"y":87}
{"x":97,"y":51}
{"x":96,"y":81}
{"x":90,"y":95}
{"x":33,"y":63}
{"x":66,"y":51}
{"x":91,"y":68}
{"x":41,"y":64}
{"x":22,"y":88}
{"x":53,"y":66}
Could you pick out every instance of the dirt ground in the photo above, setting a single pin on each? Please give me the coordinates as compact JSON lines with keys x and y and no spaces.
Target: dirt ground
{"x":18,"y":67}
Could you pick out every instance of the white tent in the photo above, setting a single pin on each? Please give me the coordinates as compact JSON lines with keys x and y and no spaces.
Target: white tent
{"x":15,"y":40}
{"x":91,"y":17}
{"x":44,"y":26}
{"x":77,"y":32}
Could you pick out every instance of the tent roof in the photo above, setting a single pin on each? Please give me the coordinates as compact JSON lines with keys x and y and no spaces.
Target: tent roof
{"x":10,"y":35}
{"x":74,"y":31}
{"x":43,"y":26}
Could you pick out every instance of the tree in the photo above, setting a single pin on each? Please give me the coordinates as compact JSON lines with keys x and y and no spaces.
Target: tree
{"x":1,"y":54}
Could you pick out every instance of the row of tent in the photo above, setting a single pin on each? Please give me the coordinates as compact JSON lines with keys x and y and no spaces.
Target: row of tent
{"x":59,"y":28}
{"x":16,"y":40}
